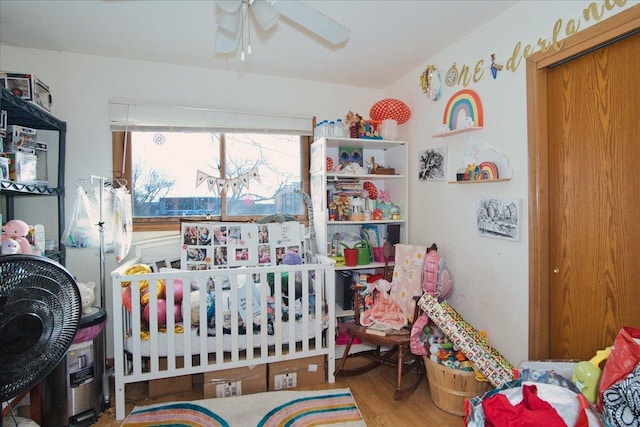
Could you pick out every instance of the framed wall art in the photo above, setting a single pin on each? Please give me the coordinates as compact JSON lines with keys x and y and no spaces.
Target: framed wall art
{"x":498,"y":217}
{"x":432,"y":164}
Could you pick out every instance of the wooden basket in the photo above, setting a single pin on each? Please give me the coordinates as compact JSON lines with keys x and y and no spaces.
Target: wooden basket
{"x":450,"y":387}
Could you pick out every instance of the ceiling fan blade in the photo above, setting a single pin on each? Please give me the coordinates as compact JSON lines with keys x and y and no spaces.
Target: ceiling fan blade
{"x":226,"y":42}
{"x":229,"y":6}
{"x":231,"y":22}
{"x":264,"y":13}
{"x":312,"y":20}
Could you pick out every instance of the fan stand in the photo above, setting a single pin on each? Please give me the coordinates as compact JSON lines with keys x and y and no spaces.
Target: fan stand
{"x":35,"y":407}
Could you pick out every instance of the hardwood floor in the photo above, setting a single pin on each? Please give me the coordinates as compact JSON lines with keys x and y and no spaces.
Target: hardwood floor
{"x":373,"y":392}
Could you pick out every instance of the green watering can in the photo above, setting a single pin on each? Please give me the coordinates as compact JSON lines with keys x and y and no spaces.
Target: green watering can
{"x":364,"y":253}
{"x":586,"y":375}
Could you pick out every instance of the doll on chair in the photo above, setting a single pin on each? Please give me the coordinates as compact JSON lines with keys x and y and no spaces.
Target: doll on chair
{"x":384,"y":309}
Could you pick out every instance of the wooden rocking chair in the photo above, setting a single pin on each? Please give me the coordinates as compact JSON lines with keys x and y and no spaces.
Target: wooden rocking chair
{"x":392,"y":349}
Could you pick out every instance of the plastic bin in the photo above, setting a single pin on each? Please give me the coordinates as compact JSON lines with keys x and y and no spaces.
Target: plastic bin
{"x":72,"y":392}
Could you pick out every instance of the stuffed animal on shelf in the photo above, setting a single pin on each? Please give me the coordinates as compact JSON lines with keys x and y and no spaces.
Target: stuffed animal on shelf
{"x":17,"y":230}
{"x":9,"y":246}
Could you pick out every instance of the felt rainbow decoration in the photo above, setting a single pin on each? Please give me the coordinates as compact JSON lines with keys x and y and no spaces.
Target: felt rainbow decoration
{"x":490,"y":169}
{"x":467,"y":102}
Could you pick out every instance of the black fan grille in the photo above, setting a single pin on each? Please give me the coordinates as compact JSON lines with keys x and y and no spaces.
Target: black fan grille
{"x":40,"y":310}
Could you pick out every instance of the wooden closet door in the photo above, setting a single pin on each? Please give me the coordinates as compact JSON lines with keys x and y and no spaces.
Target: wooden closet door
{"x":594,"y":195}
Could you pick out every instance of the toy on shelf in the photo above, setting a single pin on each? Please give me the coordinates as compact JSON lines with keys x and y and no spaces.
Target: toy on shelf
{"x":16,"y":230}
{"x":483,"y":163}
{"x":9,"y":246}
{"x":483,"y":171}
{"x":389,"y":113}
{"x":353,"y":121}
{"x":390,"y":108}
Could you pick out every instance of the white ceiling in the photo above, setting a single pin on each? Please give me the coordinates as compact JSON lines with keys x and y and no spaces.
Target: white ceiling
{"x":389,"y":38}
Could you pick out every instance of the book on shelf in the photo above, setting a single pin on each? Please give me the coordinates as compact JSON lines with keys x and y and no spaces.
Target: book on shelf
{"x":379,"y":329}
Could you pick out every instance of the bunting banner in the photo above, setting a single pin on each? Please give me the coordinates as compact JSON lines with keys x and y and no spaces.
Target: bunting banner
{"x":223,"y":185}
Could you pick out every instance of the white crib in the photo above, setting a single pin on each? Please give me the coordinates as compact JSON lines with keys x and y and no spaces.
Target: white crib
{"x":241,"y":332}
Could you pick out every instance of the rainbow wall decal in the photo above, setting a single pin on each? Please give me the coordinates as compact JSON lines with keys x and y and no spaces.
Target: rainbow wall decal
{"x":464,"y":110}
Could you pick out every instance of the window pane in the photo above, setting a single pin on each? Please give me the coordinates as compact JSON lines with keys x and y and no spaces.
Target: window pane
{"x":265,"y":168}
{"x":165,"y":166}
{"x":276,"y":159}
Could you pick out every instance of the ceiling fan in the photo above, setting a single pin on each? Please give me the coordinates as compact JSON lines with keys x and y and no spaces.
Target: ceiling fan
{"x":232,"y":15}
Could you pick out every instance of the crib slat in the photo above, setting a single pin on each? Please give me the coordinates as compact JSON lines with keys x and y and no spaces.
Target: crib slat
{"x":277,"y":321}
{"x":265,"y":293}
{"x":136,"y":326}
{"x":203,"y":325}
{"x":291,"y":293}
{"x":248,"y":315}
{"x":219,"y":314}
{"x":305,"y":310}
{"x":154,"y":362}
{"x":233,"y":315}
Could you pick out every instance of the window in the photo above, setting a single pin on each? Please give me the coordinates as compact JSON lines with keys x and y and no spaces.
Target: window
{"x":175,"y":175}
{"x":202,"y":164}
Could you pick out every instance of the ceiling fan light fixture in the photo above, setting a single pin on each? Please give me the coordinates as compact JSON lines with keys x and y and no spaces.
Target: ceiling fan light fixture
{"x":265,"y":14}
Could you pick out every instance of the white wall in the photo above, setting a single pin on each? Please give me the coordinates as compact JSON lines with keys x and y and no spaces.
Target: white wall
{"x":491,"y":275}
{"x":82,"y":86}
{"x":491,"y":281}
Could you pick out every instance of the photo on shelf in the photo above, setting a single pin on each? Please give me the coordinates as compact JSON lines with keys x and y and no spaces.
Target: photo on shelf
{"x":372,"y":233}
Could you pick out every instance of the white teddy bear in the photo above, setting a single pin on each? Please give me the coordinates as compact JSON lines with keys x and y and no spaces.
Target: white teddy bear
{"x":10,"y":246}
{"x":87,"y":295}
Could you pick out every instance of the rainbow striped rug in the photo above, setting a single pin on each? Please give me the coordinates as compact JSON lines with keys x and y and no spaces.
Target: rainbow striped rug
{"x":275,"y":408}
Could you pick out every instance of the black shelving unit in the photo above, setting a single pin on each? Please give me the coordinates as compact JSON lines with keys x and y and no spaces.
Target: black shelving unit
{"x":23,"y":113}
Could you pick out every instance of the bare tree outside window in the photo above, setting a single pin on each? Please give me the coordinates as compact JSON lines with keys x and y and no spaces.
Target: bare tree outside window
{"x":165,"y":166}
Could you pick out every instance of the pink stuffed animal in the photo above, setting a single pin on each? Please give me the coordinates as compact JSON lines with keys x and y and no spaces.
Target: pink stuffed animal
{"x":18,"y":230}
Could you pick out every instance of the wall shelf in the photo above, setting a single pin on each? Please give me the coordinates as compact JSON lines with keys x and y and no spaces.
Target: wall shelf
{"x":455,"y":131}
{"x":480,"y":181}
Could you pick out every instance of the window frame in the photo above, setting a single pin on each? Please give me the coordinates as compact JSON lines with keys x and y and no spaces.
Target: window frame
{"x":121,"y":159}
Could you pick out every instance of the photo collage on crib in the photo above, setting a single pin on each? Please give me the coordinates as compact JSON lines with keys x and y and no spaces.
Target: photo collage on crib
{"x":209,"y":245}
